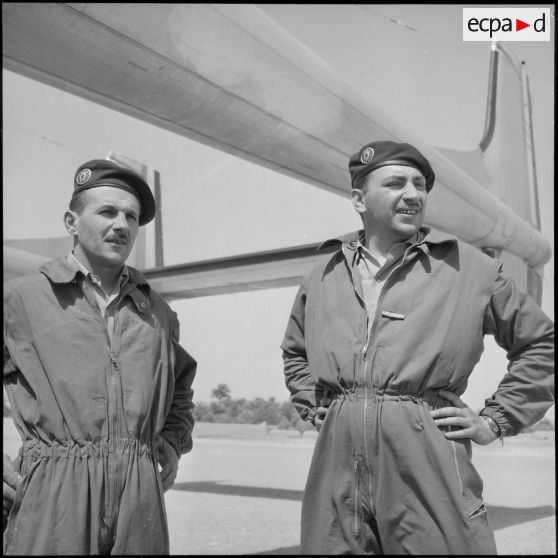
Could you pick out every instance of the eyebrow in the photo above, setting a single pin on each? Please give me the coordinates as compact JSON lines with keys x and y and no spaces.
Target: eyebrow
{"x":401,"y":176}
{"x":108,"y":205}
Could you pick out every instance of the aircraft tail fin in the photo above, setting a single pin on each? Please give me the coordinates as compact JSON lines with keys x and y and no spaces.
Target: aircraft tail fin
{"x":504,"y":161}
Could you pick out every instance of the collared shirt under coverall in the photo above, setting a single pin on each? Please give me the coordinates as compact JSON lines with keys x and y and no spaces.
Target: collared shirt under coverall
{"x":384,"y":479}
{"x":89,"y":412}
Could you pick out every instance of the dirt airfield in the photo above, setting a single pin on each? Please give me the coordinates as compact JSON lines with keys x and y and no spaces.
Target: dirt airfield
{"x":240,"y":489}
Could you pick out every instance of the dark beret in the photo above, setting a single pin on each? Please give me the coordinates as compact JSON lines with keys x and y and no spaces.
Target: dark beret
{"x":101,"y":172}
{"x":382,"y":153}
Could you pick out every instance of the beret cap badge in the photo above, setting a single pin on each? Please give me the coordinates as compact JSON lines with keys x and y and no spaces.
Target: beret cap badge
{"x":105,"y":173}
{"x":383,"y":153}
{"x":366,"y":155}
{"x":83,"y":176}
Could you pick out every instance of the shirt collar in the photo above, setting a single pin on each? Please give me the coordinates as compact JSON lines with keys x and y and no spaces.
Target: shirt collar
{"x":60,"y":271}
{"x":415,"y":239}
{"x":426,"y":236}
{"x":73,"y":261}
{"x":395,"y":253}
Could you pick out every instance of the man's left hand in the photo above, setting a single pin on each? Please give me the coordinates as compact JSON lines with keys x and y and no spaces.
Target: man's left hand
{"x":168,"y":460}
{"x":470,"y":424}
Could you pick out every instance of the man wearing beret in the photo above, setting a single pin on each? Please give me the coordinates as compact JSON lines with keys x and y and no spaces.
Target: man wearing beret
{"x":99,"y":387}
{"x":382,"y":338}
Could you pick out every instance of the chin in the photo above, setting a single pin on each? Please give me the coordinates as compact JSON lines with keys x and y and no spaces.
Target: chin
{"x":115,"y":260}
{"x":406,"y":231}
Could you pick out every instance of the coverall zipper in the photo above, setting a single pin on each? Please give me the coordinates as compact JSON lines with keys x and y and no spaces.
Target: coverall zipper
{"x":117,"y":428}
{"x":111,"y":417}
{"x":113,"y":444}
{"x":113,"y":426}
{"x":365,"y":406}
{"x":369,"y":336}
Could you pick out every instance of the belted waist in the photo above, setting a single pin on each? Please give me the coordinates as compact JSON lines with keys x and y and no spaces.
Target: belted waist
{"x":430,"y":397}
{"x":82,"y":449}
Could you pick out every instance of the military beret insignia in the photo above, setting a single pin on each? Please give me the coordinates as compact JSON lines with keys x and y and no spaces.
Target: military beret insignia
{"x":383,"y":153}
{"x":366,"y":155}
{"x":105,"y":173}
{"x":83,"y":176}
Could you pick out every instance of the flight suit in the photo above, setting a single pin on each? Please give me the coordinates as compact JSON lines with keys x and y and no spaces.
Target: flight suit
{"x":89,"y":413}
{"x":384,"y":479}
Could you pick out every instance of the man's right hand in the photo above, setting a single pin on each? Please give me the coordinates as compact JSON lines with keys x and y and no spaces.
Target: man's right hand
{"x":321,"y":412}
{"x":11,"y":481}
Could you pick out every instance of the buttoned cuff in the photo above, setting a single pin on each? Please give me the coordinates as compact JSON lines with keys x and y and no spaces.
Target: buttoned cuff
{"x":498,"y":417}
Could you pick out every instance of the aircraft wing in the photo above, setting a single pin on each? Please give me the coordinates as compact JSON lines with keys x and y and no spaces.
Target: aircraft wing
{"x":230,"y":77}
{"x":244,"y":272}
{"x":248,"y":272}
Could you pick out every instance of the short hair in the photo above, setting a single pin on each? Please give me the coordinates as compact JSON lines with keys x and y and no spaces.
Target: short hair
{"x":362,"y":183}
{"x":78,"y":202}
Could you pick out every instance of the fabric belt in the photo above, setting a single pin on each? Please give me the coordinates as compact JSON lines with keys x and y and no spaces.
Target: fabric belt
{"x":431,"y":397}
{"x":37,"y":449}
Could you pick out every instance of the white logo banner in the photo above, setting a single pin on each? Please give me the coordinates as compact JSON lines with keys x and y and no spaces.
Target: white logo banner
{"x":506,"y":24}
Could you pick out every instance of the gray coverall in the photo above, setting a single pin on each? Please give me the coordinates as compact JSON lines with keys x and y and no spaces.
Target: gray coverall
{"x":89,"y":413}
{"x":384,"y":479}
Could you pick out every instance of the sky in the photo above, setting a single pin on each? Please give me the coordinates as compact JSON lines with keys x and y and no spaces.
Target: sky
{"x":410,"y":59}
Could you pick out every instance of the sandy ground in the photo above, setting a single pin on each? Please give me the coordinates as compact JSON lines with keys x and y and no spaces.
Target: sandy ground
{"x":239,"y":491}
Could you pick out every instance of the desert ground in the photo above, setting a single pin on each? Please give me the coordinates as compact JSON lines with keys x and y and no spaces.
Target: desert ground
{"x":240,"y":489}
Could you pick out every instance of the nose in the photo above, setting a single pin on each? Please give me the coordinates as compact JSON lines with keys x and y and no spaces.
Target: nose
{"x":120,"y":221}
{"x":410,"y":192}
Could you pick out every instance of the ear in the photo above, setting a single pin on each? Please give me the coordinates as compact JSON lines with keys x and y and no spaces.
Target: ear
{"x":70,"y":222}
{"x":357,"y":198}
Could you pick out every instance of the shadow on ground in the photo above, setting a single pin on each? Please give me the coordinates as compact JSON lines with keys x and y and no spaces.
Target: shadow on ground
{"x":500,"y":516}
{"x":276,"y":551}
{"x":213,"y":487}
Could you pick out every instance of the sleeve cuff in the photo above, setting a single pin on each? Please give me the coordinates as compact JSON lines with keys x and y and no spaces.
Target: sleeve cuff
{"x":498,"y":417}
{"x":171,"y":439}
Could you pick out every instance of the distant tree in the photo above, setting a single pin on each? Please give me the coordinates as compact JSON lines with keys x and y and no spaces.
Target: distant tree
{"x":246,"y":416}
{"x":224,"y":409}
{"x":265,"y":411}
{"x":221,"y":397}
{"x":221,"y":392}
{"x":203,"y":413}
{"x":234,"y":409}
{"x":291,"y":419}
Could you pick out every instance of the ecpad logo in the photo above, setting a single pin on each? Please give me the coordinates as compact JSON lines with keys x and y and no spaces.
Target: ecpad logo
{"x":493,"y":25}
{"x":506,"y":24}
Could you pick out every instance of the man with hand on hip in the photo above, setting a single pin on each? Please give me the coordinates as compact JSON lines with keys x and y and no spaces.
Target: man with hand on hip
{"x":382,"y":338}
{"x":99,"y":386}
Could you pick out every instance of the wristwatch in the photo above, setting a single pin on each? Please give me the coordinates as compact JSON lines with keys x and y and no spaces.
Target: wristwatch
{"x":492,"y":424}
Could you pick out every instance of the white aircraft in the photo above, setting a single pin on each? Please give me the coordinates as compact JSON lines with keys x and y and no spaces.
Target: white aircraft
{"x":228,"y":76}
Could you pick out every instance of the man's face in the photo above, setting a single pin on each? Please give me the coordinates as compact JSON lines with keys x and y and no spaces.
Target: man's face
{"x":106,"y":227}
{"x":393,"y":203}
